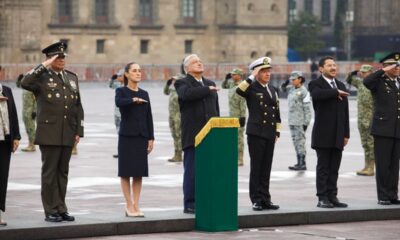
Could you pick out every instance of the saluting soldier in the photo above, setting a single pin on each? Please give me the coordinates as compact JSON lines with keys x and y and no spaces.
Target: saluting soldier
{"x":59,"y":126}
{"x":364,"y":111}
{"x":385,"y":127}
{"x":237,"y":106}
{"x":263,"y":130}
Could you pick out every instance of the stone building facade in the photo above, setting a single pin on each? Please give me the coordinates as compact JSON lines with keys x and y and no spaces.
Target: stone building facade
{"x":146,"y":31}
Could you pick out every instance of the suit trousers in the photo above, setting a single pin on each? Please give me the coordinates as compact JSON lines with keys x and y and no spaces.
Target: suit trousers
{"x":261,"y":152}
{"x":5,"y":155}
{"x":189,"y":177}
{"x":55,"y":167}
{"x":387,"y":154}
{"x":327,"y":172}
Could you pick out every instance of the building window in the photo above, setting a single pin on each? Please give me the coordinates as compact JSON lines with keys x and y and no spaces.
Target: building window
{"x":65,"y":11}
{"x":144,"y":46}
{"x":146,"y":11}
{"x":189,"y":10}
{"x":326,"y":12}
{"x":250,"y":7}
{"x":188,"y":46}
{"x":274,"y":8}
{"x":101,"y":11}
{"x":292,"y":11}
{"x":308,"y":6}
{"x":100,"y":45}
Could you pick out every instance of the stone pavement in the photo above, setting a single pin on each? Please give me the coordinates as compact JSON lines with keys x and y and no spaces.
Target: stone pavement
{"x":95,"y":199}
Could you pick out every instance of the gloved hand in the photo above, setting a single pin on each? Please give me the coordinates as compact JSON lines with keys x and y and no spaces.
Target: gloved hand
{"x":354,"y":73}
{"x":285,"y":83}
{"x":169,"y":81}
{"x":305,"y":127}
{"x":33,"y":115}
{"x":242,"y":121}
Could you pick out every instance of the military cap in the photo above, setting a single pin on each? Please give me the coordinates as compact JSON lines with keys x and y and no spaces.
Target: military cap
{"x":366,"y":68}
{"x":236,"y":71}
{"x":120,"y":72}
{"x":391,"y":58}
{"x":57,"y":48}
{"x":178,"y":76}
{"x":295,"y":75}
{"x":263,"y":62}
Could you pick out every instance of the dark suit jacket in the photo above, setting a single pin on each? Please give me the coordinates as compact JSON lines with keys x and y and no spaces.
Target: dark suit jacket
{"x":264,"y":115}
{"x":59,"y":107}
{"x":331,"y":118}
{"x":197,"y":105}
{"x":386,"y":116}
{"x":12,"y":114}
{"x":136,"y":119}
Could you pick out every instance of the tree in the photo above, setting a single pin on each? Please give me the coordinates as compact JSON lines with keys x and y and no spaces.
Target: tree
{"x":303,"y":35}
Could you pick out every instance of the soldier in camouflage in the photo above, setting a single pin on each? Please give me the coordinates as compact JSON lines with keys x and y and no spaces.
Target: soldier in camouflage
{"x":237,"y":106}
{"x":364,"y":107}
{"x":117,"y":81}
{"x":29,"y":116}
{"x":174,"y":117}
{"x":299,"y":116}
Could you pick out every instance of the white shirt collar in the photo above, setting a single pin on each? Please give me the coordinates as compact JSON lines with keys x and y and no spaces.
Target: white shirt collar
{"x":328,"y":79}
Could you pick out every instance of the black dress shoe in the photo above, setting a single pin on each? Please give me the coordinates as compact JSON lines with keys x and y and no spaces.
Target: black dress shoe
{"x":384,"y":202}
{"x":53,"y":218}
{"x":395,"y":201}
{"x":270,"y":206}
{"x":189,"y":210}
{"x":337,"y":203}
{"x":115,"y":156}
{"x":324,"y":204}
{"x":66,"y":217}
{"x":257,"y":206}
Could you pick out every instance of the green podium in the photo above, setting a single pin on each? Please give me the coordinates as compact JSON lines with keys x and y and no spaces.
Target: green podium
{"x":216,"y":176}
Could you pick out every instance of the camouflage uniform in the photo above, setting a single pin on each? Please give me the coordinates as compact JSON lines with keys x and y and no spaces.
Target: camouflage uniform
{"x":29,"y":116}
{"x":299,"y":118}
{"x":364,"y":107}
{"x":117,"y":115}
{"x":174,"y":121}
{"x":237,"y":108}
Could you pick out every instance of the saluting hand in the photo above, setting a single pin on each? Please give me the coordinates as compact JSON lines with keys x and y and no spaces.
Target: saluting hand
{"x":390,"y":67}
{"x":49,"y":61}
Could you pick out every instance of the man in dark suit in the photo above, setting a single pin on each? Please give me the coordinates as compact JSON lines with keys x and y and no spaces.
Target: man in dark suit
{"x":385,"y":128}
{"x":330,"y":132}
{"x":263,"y":130}
{"x":198,"y":102}
{"x":59,"y":126}
{"x":9,"y":140}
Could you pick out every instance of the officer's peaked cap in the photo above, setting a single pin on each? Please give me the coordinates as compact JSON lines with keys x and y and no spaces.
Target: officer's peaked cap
{"x":263,"y":62}
{"x":391,"y":58}
{"x":58,"y":48}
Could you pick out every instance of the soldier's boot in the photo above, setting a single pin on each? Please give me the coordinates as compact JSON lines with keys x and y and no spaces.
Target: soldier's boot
{"x":177,"y":157}
{"x":30,"y":148}
{"x":74,"y":150}
{"x":302,"y":164}
{"x":294,"y":167}
{"x":369,"y":170}
{"x":240,"y":160}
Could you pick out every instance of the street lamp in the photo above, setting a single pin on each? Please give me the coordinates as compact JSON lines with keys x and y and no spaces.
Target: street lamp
{"x":349,"y":23}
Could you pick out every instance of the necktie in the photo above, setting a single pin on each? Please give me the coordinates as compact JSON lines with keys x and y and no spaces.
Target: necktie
{"x":61,"y":77}
{"x":333,"y":84}
{"x":397,"y":83}
{"x":201,"y":82}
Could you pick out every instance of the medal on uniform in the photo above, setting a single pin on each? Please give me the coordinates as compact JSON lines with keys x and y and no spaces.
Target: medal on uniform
{"x":52,"y":84}
{"x":57,"y":95}
{"x":72,"y":96}
{"x":50,"y":79}
{"x":49,"y":95}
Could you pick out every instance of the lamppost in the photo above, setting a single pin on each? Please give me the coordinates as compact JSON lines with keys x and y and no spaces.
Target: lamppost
{"x":349,"y":23}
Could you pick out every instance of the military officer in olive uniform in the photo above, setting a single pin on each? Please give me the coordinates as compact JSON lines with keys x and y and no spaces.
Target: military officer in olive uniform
{"x":59,"y":126}
{"x":364,"y":110}
{"x":237,"y":106}
{"x":385,"y":127}
{"x":263,"y":130}
{"x":174,"y":116}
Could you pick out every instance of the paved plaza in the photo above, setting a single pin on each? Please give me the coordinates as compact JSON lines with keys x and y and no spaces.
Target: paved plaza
{"x":94,"y":193}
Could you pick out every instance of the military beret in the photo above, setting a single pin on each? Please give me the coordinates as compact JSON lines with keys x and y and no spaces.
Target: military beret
{"x":391,"y":58}
{"x":58,"y":48}
{"x":295,"y":75}
{"x":263,"y":62}
{"x":236,"y":71}
{"x":366,"y":68}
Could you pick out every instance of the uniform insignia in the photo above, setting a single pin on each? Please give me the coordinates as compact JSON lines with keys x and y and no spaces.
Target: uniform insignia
{"x":52,"y":84}
{"x":72,"y":96}
{"x":57,"y":95}
{"x":51,"y":80}
{"x":259,"y":94}
{"x":397,"y":57}
{"x":73,"y":84}
{"x":49,"y":95}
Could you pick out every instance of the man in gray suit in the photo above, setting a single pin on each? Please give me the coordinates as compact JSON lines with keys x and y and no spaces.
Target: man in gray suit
{"x":59,"y":126}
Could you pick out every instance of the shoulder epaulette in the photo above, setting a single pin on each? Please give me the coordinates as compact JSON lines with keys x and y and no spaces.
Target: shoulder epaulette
{"x":71,"y":72}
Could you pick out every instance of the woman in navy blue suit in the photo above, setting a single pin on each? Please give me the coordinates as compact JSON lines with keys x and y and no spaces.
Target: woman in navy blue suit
{"x":136,"y":137}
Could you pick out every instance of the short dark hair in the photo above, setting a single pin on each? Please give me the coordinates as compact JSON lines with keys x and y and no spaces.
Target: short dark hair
{"x":127,"y":67}
{"x":322,"y":60}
